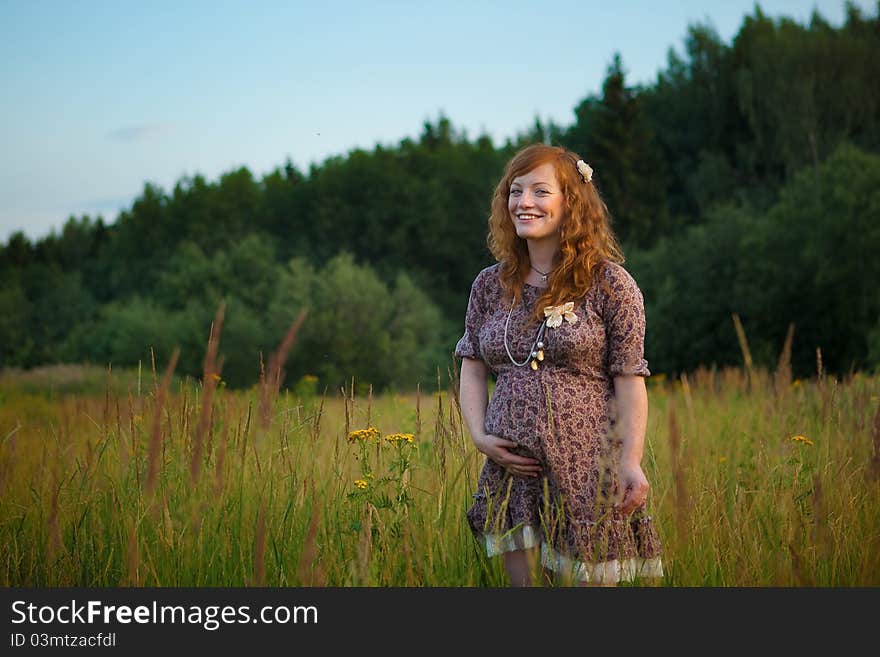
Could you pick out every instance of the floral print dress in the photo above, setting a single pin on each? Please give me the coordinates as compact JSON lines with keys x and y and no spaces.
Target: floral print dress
{"x":562,"y":414}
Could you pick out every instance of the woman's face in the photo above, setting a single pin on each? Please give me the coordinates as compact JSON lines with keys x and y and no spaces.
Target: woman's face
{"x":536,"y":204}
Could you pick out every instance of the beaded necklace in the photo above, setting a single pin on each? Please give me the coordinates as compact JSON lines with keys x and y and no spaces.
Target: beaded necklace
{"x":536,"y":352}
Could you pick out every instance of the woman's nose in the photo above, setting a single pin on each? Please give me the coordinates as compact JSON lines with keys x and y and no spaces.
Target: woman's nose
{"x":526,"y":199}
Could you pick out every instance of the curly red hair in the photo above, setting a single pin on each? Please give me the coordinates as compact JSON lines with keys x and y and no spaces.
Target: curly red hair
{"x":586,"y":238}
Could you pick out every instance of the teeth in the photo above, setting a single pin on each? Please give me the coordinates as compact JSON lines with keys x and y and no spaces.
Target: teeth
{"x":527,"y":216}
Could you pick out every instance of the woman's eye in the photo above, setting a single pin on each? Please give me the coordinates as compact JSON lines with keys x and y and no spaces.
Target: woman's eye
{"x":515,"y":192}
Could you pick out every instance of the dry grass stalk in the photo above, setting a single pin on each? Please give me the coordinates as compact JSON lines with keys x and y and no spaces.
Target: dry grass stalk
{"x":257,"y":459}
{"x":220,"y":471}
{"x":132,"y":429}
{"x":182,"y":415}
{"x":244,"y":435}
{"x":820,"y":372}
{"x":822,"y":536}
{"x":316,"y":419}
{"x":705,"y":379}
{"x":743,"y":345}
{"x":782,"y":378}
{"x":55,"y":543}
{"x":688,"y":398}
{"x":680,"y":489}
{"x":347,"y":407}
{"x":365,"y":546}
{"x":409,"y":558}
{"x":455,"y":433}
{"x":210,"y":377}
{"x":153,"y":369}
{"x":797,"y":567}
{"x":440,"y":430}
{"x":134,"y":442}
{"x":134,"y":576}
{"x":418,"y":410}
{"x":209,"y":441}
{"x":156,"y":435}
{"x":8,"y":462}
{"x":309,"y":570}
{"x":165,"y":525}
{"x":456,"y":422}
{"x":875,"y":445}
{"x":455,"y":381}
{"x":107,"y":399}
{"x":260,"y":547}
{"x":284,"y":441}
{"x":827,"y":392}
{"x":270,"y":382}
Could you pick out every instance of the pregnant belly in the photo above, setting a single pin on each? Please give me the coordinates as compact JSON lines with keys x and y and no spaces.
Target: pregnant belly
{"x":515,"y":412}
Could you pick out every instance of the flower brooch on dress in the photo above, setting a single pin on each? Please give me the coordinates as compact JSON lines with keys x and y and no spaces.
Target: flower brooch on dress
{"x":555,"y":314}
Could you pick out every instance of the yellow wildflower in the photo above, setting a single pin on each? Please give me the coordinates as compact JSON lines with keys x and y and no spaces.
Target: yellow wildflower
{"x":399,"y":438}
{"x":802,"y":439}
{"x":361,"y":483}
{"x":796,"y":383}
{"x":364,"y":435}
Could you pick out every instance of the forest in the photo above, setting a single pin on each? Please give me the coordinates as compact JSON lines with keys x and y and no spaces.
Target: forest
{"x":743,"y":182}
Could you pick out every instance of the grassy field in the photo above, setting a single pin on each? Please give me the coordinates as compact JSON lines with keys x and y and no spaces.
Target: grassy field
{"x":124,"y":478}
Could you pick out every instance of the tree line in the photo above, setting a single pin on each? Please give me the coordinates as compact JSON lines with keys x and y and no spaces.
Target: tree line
{"x":744,"y":181}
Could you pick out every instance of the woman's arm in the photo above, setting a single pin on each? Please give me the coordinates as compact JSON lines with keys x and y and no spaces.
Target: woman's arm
{"x":474,"y":395}
{"x":632,"y":422}
{"x":474,"y":398}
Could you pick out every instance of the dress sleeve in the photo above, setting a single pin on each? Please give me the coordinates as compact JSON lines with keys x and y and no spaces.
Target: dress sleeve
{"x":469,"y":344}
{"x":624,"y":324}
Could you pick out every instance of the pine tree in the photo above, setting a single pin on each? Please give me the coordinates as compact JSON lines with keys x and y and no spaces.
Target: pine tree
{"x":612,"y":134}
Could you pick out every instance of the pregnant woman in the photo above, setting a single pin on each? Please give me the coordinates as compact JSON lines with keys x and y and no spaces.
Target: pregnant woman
{"x":561,"y":325}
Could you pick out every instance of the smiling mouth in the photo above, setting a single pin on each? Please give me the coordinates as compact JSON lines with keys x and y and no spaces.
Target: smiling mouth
{"x":527,"y":217}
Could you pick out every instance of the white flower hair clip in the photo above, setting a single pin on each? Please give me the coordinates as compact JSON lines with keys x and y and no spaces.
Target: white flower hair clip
{"x":555,"y":314}
{"x":585,"y":170}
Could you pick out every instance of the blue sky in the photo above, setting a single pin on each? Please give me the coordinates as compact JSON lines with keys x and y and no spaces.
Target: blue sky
{"x":101,"y":97}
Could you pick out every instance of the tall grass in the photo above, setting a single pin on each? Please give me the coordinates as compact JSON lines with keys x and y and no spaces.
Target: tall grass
{"x":756,"y":480}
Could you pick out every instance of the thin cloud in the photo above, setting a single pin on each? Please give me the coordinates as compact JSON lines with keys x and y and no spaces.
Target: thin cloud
{"x":141,"y":132}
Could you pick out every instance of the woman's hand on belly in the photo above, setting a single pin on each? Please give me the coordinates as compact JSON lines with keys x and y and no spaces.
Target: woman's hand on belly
{"x":499,"y":450}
